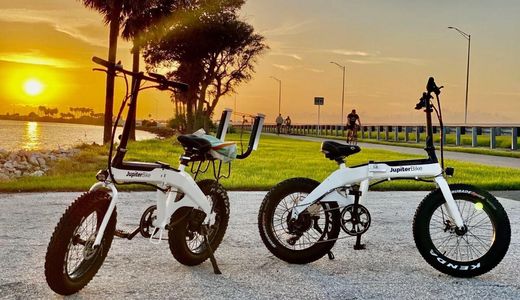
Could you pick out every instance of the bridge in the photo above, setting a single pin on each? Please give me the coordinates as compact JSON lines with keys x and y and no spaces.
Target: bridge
{"x":495,"y":136}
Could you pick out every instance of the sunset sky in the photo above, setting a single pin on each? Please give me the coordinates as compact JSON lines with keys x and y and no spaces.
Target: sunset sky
{"x":390,"y":48}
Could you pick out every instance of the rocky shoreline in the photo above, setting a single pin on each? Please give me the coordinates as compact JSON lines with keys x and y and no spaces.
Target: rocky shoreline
{"x":15,"y":164}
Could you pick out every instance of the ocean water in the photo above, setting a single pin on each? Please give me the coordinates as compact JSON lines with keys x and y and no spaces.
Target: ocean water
{"x":17,"y":135}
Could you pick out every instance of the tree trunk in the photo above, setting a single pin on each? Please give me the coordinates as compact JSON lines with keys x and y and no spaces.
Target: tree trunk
{"x":112,"y":50}
{"x":135,"y":69}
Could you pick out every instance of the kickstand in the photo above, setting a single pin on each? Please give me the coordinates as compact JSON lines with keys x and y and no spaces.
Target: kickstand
{"x":216,"y":270}
{"x":331,"y":255}
{"x":358,"y":245}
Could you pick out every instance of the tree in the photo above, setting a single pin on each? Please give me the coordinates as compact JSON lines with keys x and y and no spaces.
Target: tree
{"x":142,"y":16}
{"x":111,"y":10}
{"x":213,"y":54}
{"x":135,"y":17}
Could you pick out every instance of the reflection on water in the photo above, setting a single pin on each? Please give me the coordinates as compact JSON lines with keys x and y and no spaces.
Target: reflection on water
{"x":16,"y":135}
{"x":31,"y":136}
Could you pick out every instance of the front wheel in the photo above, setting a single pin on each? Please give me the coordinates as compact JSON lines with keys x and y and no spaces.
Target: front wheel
{"x":471,"y":251}
{"x":299,"y":241}
{"x":71,"y":260}
{"x":185,"y":235}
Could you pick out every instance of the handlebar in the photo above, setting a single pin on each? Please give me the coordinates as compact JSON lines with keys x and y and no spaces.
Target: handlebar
{"x":431,"y":87}
{"x":157,"y":78}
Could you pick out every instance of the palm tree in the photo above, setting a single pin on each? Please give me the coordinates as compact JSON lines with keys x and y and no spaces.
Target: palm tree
{"x":111,"y":10}
{"x":141,"y":17}
{"x":136,"y":17}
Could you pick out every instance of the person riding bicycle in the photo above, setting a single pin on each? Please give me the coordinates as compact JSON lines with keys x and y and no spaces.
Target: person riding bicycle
{"x":288,"y":124}
{"x":352,"y":127}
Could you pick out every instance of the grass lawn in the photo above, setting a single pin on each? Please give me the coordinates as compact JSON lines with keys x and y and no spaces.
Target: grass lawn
{"x":277,"y":159}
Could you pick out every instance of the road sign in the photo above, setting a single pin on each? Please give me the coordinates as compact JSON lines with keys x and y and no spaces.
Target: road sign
{"x":319,"y":100}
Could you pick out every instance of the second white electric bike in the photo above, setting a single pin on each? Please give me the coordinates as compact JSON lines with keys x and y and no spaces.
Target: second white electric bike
{"x":459,"y":229}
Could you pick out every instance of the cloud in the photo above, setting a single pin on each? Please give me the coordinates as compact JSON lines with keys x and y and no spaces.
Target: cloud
{"x":364,"y":62}
{"x":349,"y":52}
{"x":291,"y":55}
{"x":315,"y":70}
{"x":286,"y":29}
{"x":69,"y":22}
{"x":283,"y":67}
{"x":36,"y":58}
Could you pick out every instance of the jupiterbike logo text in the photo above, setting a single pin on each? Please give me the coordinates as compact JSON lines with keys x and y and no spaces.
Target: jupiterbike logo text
{"x":454,"y":266}
{"x":138,"y":174}
{"x":406,"y":169}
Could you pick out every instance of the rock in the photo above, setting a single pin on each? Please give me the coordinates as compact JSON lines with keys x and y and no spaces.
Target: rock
{"x":17,"y":173}
{"x":37,"y":174}
{"x":4,"y":177}
{"x":33,"y":160}
{"x":22,"y":166}
{"x":53,"y":157}
{"x":41,"y":162}
{"x":9,"y":165}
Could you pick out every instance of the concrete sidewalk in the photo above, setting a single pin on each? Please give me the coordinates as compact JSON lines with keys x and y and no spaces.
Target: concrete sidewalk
{"x":499,"y":161}
{"x":390,"y":268}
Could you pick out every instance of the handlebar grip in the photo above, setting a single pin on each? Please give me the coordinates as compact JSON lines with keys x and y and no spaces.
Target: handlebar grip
{"x":105,"y":63}
{"x":432,"y":87}
{"x":173,"y":84}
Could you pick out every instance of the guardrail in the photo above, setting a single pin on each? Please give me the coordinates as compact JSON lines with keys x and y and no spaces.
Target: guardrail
{"x":454,"y":134}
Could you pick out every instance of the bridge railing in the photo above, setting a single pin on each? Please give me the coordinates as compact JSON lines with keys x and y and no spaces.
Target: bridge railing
{"x":494,"y":136}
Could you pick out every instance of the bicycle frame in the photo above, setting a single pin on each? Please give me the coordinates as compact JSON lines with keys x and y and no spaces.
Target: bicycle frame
{"x":175,"y":187}
{"x":345,"y":176}
{"x":405,"y":169}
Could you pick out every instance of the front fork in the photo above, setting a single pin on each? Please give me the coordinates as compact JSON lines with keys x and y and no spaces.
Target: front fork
{"x":110,"y":209}
{"x":450,"y":204}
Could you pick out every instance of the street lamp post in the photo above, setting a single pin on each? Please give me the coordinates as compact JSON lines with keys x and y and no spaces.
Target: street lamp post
{"x":343,"y":89}
{"x":279,"y":93}
{"x":468,"y":37}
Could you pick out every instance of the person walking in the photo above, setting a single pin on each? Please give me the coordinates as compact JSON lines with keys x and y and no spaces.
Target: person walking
{"x":279,"y":122}
{"x":288,"y":124}
{"x":352,"y":127}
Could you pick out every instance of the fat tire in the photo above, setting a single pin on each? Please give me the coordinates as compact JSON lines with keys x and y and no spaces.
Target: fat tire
{"x":479,"y":266}
{"x":55,"y":260}
{"x":265,"y":220}
{"x":178,"y":230}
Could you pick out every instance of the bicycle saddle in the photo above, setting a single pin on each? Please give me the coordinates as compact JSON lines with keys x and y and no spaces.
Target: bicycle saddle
{"x":336,"y":151}
{"x":193,"y":142}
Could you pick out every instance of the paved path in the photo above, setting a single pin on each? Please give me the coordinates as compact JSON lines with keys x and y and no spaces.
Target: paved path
{"x":390,"y":268}
{"x":499,"y":161}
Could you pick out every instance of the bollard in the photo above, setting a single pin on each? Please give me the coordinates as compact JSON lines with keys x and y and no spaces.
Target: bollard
{"x":457,"y":136}
{"x":474,"y":135}
{"x":514,"y":138}
{"x":492,"y":138}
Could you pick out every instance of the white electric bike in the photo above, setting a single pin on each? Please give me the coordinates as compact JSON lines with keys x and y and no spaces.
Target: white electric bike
{"x":195,"y":214}
{"x":459,"y":229}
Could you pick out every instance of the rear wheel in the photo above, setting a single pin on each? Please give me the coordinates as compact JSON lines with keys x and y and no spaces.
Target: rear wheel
{"x":299,"y":241}
{"x":71,"y":260}
{"x":473,"y":250}
{"x":185,"y":236}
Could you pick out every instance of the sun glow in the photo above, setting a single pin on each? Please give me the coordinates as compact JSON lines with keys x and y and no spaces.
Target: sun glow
{"x":33,"y":87}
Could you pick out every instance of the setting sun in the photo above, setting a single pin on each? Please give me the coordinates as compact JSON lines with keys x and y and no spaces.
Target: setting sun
{"x":33,"y":87}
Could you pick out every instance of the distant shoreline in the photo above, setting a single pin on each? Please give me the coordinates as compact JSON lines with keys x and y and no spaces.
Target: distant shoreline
{"x":82,"y":120}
